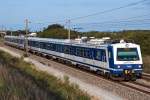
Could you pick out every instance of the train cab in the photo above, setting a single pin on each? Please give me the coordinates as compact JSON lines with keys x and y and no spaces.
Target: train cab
{"x":126,"y":60}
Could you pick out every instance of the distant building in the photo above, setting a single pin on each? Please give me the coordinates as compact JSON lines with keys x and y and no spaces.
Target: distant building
{"x":32,"y":35}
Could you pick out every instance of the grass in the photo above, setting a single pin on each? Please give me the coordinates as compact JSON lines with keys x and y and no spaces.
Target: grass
{"x":1,"y":40}
{"x":146,"y":61}
{"x":17,"y":86}
{"x":20,"y":81}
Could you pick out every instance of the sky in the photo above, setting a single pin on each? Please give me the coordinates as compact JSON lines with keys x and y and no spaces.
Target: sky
{"x":45,"y":12}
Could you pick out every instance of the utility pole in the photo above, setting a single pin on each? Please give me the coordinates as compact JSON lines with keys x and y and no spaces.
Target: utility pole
{"x":69,"y":30}
{"x":2,"y":28}
{"x":11,"y":33}
{"x":26,"y":37}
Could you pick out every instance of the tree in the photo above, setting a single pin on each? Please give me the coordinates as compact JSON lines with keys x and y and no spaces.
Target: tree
{"x":56,"y":31}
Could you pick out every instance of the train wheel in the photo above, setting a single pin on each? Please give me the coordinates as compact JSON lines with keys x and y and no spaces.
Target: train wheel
{"x":139,"y":76}
{"x":98,"y":72}
{"x":107,"y":75}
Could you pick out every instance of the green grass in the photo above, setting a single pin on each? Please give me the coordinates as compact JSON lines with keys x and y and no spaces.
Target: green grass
{"x":47,"y":84}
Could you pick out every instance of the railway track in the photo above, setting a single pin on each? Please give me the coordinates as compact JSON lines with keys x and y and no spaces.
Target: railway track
{"x":137,"y":86}
{"x":146,"y":76}
{"x":133,"y":85}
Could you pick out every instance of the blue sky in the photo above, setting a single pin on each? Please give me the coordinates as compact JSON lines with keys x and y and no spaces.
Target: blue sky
{"x":14,"y":12}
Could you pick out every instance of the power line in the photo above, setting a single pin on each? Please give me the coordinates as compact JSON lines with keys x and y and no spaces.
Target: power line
{"x":122,"y":20}
{"x":120,"y":24}
{"x":110,"y":10}
{"x":116,"y":25}
{"x":94,"y":14}
{"x":111,"y":25}
{"x":125,"y":20}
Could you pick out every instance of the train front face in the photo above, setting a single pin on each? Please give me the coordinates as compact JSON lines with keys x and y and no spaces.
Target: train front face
{"x":127,"y":60}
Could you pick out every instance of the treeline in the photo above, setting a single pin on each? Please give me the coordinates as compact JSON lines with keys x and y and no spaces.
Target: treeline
{"x":141,"y":37}
{"x":56,"y":31}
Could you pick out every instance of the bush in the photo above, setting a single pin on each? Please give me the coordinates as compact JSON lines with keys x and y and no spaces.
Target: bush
{"x":64,"y":90}
{"x":146,"y":61}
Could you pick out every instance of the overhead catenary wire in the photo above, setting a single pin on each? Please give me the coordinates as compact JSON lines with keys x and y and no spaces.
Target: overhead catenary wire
{"x":119,"y":20}
{"x":115,"y":27}
{"x":93,"y":14}
{"x":140,"y":22}
{"x":109,"y":10}
{"x":118,"y":23}
{"x":90,"y":15}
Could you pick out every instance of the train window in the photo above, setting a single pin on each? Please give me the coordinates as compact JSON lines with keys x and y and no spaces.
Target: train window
{"x":98,"y":54}
{"x":36,"y":44}
{"x":59,"y":48}
{"x":77,"y":51}
{"x":48,"y":46}
{"x":72,"y":50}
{"x":41,"y":45}
{"x":29,"y":43}
{"x":22,"y":42}
{"x":66,"y":49}
{"x":44,"y":45}
{"x":80,"y":52}
{"x":130,"y":54}
{"x":86,"y":53}
{"x":54,"y":47}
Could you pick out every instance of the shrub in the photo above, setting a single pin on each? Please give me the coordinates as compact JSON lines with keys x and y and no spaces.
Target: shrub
{"x":53,"y":85}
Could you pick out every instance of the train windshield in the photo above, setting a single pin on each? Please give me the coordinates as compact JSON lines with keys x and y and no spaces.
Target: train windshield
{"x":127,"y":54}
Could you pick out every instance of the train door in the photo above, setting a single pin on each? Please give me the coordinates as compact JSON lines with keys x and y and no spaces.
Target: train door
{"x":110,"y":57}
{"x":101,"y":57}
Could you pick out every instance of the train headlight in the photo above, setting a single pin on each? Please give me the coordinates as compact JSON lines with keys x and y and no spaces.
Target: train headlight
{"x":140,"y":66}
{"x":118,"y":66}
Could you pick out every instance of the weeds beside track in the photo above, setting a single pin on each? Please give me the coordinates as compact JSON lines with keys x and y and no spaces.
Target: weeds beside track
{"x":61,"y":90}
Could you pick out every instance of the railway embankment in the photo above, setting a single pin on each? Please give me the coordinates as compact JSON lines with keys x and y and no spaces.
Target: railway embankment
{"x":94,"y":85}
{"x":59,"y":71}
{"x":19,"y":80}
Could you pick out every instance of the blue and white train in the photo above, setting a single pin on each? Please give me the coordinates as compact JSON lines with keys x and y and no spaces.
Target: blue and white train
{"x":113,"y":59}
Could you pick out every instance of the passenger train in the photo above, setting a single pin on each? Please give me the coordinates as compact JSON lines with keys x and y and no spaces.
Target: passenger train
{"x":115,"y":59}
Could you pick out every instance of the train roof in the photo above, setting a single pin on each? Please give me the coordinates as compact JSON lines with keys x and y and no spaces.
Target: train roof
{"x":90,"y":44}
